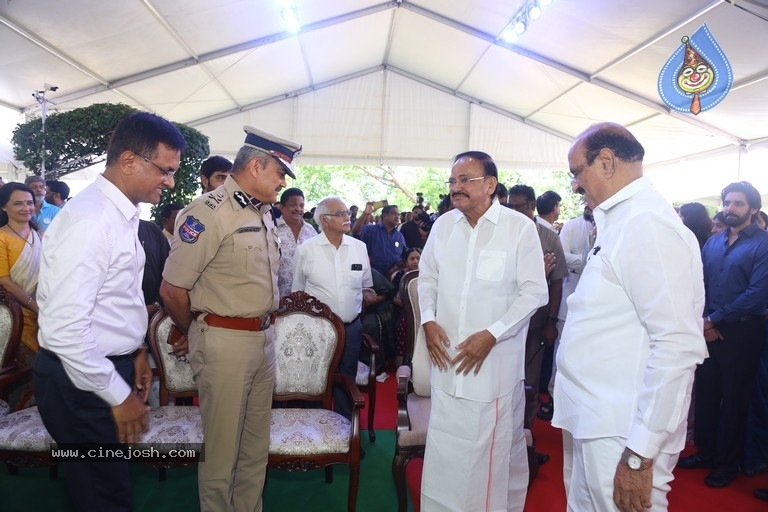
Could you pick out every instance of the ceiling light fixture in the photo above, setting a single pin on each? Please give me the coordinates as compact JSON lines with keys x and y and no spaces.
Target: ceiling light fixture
{"x":531,"y":10}
{"x":290,"y":14}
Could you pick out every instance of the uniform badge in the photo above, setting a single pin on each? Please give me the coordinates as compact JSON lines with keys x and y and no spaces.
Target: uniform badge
{"x":241,"y":198}
{"x":190,"y":231}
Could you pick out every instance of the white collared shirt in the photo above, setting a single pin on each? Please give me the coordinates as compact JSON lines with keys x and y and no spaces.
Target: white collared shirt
{"x":545,"y":223}
{"x":487,"y":277}
{"x":575,"y":236}
{"x":634,"y":333}
{"x":91,"y":304}
{"x":335,"y":276}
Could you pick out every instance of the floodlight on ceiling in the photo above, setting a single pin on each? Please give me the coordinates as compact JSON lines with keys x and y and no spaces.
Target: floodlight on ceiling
{"x":530,"y":11}
{"x":290,"y":15}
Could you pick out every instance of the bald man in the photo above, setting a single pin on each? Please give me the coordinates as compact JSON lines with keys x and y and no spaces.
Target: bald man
{"x":633,"y":336}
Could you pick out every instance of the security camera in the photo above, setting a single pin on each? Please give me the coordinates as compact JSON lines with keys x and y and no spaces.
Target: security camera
{"x":49,"y":87}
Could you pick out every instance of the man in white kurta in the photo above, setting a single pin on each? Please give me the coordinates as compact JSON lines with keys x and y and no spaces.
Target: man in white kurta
{"x":481,"y":277}
{"x":335,"y":268}
{"x":633,"y":335}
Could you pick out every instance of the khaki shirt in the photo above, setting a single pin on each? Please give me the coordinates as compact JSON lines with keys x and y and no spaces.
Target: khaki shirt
{"x":226,"y":253}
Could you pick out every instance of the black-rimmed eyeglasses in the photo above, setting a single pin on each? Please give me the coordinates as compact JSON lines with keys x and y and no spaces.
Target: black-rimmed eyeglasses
{"x":165,"y":172}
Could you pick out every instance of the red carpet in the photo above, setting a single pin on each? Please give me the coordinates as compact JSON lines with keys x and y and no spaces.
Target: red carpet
{"x":547,"y":493}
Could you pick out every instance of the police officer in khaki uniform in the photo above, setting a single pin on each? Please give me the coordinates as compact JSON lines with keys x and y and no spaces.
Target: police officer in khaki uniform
{"x":220,"y":288}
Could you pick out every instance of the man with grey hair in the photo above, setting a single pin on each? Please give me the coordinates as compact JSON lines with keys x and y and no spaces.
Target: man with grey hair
{"x":334,"y":268}
{"x":220,"y":288}
{"x":44,"y":211}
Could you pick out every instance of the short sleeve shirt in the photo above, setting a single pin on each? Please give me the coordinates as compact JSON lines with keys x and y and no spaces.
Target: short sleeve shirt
{"x":225,"y":253}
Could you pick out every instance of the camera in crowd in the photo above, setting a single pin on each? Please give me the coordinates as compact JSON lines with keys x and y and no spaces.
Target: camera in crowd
{"x":425,"y":221}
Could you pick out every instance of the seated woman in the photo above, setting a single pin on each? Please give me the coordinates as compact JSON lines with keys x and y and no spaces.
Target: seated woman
{"x":411,"y":258}
{"x":20,"y":252}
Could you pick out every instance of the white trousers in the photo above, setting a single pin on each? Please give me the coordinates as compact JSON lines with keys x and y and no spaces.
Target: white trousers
{"x":476,"y":457}
{"x":589,"y":466}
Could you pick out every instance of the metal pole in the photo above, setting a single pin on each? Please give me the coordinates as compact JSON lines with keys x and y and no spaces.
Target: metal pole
{"x":42,"y":152}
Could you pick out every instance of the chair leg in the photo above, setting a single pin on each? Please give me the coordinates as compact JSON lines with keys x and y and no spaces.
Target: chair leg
{"x":12,"y":470}
{"x":398,"y":473}
{"x":371,"y":413}
{"x":354,"y":478}
{"x":53,"y":472}
{"x":162,"y":474}
{"x":329,"y":474}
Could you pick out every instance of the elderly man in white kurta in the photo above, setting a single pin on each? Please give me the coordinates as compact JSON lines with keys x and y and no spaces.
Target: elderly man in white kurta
{"x":481,"y":277}
{"x":633,"y":336}
{"x":334,"y":268}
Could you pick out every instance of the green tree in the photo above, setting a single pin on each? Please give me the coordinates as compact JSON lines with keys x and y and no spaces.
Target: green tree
{"x":79,"y":138}
{"x":358,"y":184}
{"x":74,"y":140}
{"x":400,"y":185}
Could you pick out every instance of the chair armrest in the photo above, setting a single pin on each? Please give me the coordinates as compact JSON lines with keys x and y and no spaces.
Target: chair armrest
{"x":369,"y":342}
{"x":352,"y":390}
{"x":403,"y":387}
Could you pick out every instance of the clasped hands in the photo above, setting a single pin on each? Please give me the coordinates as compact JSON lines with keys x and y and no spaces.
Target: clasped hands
{"x":711,"y":333}
{"x":471,"y":352}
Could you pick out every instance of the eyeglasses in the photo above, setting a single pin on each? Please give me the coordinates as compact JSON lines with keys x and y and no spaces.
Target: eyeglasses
{"x":517,"y":206}
{"x":344,"y":213}
{"x":463,"y":180}
{"x":578,"y":170}
{"x":166,"y":173}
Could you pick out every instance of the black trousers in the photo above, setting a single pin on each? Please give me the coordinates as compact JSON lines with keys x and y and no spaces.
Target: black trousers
{"x":342,"y":404}
{"x":724,"y":384}
{"x":72,"y":415}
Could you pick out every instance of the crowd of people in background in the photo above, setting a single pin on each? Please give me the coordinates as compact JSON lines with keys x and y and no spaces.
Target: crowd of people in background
{"x":521,"y":311}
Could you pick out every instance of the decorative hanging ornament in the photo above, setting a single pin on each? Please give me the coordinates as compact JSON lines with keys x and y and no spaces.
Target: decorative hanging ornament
{"x":697,"y":76}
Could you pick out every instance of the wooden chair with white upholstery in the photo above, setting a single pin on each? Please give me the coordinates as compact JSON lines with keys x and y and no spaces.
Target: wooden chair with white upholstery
{"x":171,"y":426}
{"x":24,"y":441}
{"x":413,"y":390}
{"x":309,"y":342}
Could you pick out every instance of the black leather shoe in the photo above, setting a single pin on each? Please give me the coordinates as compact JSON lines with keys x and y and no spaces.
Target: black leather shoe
{"x":546,"y":410}
{"x":695,"y":461}
{"x":720,"y":478}
{"x":761,"y":494}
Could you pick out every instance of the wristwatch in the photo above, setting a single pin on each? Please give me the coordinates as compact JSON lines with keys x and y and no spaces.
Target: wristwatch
{"x":636,"y":462}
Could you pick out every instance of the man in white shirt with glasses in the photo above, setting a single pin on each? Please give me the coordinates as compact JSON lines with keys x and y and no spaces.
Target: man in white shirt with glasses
{"x":481,"y":277}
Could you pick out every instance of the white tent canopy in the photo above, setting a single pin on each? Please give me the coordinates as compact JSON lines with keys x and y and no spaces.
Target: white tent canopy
{"x":402,"y":82}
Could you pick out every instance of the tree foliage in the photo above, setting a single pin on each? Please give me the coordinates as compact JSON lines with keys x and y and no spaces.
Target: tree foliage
{"x":74,"y":140}
{"x":79,"y":138}
{"x":400,"y":185}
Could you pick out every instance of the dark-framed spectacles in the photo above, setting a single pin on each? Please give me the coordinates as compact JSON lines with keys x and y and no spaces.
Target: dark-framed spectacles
{"x":577,"y":171}
{"x":463,"y":180}
{"x":344,"y":213}
{"x":166,"y":173}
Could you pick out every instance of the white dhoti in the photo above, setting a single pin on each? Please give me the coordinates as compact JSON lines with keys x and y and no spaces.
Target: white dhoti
{"x":589,"y":466}
{"x":476,"y":456}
